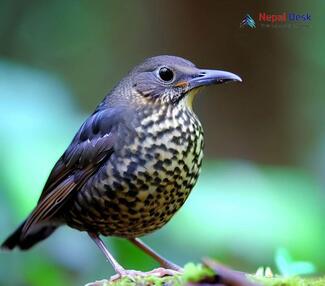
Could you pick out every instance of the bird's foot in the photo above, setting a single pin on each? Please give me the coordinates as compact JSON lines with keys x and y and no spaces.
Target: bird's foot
{"x":158,"y":272}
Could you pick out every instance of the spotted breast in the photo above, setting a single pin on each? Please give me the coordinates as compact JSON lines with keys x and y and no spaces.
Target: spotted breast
{"x":147,"y":178}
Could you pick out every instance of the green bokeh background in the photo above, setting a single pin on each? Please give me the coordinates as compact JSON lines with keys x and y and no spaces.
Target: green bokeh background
{"x":262,"y":185}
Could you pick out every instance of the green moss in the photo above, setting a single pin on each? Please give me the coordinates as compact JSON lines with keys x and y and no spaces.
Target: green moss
{"x":192,"y":273}
{"x":196,"y":272}
{"x":141,"y":281}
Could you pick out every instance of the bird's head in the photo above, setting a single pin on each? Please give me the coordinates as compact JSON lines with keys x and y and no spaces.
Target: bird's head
{"x":171,"y":80}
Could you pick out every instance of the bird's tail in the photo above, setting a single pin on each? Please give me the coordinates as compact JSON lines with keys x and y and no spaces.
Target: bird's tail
{"x":34,"y":236}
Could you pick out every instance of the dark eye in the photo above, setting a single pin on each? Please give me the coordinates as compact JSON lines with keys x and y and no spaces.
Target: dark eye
{"x":166,"y":74}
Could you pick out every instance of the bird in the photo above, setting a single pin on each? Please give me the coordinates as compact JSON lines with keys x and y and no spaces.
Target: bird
{"x":131,"y":165}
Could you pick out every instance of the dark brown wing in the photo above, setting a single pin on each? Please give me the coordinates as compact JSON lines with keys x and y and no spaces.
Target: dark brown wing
{"x":92,"y":145}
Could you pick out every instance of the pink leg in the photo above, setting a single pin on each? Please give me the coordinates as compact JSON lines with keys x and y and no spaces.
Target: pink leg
{"x":163,"y":261}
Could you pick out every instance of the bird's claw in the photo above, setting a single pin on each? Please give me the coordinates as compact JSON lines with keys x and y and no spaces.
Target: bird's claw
{"x":160,"y":272}
{"x":132,"y":274}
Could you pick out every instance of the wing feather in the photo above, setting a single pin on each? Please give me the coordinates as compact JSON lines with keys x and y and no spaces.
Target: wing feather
{"x":90,"y":147}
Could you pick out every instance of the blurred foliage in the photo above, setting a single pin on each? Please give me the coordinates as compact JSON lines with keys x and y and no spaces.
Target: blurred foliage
{"x":289,"y":267}
{"x":58,"y":58}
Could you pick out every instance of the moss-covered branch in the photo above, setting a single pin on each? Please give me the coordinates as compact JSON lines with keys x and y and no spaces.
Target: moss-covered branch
{"x":211,"y":274}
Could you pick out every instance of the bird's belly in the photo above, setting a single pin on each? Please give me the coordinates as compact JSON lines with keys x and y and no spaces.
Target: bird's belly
{"x":141,"y":186}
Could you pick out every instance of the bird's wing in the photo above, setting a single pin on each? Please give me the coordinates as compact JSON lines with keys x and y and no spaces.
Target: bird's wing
{"x":90,"y":147}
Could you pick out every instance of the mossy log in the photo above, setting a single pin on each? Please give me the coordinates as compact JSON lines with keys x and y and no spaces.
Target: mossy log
{"x":211,"y":273}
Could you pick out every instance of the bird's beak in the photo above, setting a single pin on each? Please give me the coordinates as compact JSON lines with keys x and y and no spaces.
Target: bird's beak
{"x":208,"y":77}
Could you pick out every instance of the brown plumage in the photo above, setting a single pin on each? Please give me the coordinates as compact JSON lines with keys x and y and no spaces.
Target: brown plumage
{"x":132,"y":164}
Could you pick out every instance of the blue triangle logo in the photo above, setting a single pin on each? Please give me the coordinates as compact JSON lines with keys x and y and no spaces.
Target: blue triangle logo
{"x":248,"y":21}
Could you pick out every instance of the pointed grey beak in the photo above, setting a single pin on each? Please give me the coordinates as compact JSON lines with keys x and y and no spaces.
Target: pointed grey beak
{"x":208,"y":77}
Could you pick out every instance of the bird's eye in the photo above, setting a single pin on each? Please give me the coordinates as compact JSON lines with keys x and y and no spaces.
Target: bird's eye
{"x":166,"y":74}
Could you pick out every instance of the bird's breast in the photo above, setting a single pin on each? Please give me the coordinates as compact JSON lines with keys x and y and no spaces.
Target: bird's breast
{"x":150,"y":175}
{"x":167,"y":146}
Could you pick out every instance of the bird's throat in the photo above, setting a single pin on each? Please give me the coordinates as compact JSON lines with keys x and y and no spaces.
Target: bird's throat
{"x":189,"y":98}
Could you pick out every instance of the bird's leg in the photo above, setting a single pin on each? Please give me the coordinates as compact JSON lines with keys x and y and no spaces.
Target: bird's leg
{"x":121,"y":272}
{"x":169,"y":267}
{"x":117,"y":267}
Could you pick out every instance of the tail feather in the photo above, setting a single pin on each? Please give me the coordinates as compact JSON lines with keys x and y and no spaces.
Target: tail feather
{"x":35,"y":236}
